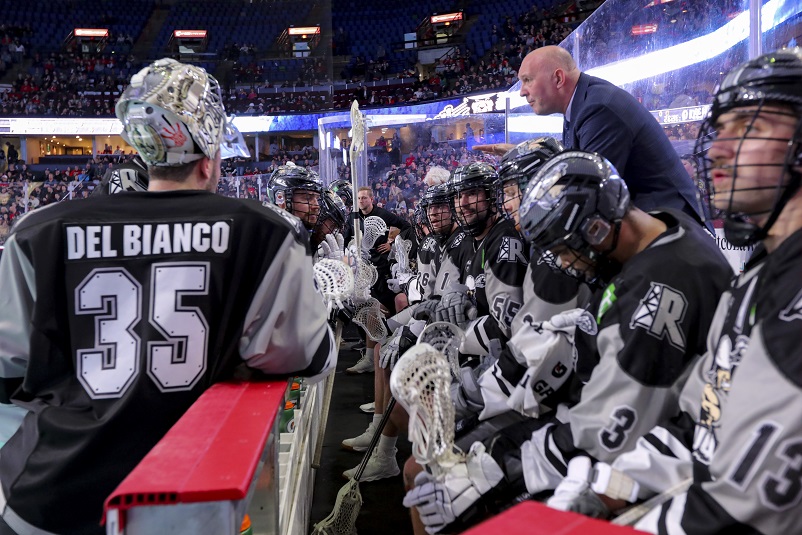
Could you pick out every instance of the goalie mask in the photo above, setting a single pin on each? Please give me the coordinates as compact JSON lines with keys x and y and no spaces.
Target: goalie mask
{"x":574,"y":203}
{"x":517,"y":168}
{"x":343,"y":188}
{"x":297,"y":190}
{"x":172,"y":114}
{"x":473,"y":202}
{"x":435,"y":206}
{"x":750,"y":144}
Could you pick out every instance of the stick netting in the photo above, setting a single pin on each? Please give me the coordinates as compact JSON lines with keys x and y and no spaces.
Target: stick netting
{"x":335,"y":281}
{"x":421,"y":381}
{"x":342,"y":520}
{"x":446,"y":338}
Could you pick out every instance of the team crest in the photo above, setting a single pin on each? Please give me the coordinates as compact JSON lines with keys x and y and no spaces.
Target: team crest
{"x":661,"y":313}
{"x":457,"y":240}
{"x":429,"y":245}
{"x":511,"y":250}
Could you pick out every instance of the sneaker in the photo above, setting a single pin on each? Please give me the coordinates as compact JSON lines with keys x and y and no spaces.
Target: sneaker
{"x":363,"y":365}
{"x":361,"y":442}
{"x":358,"y":346}
{"x":369,"y":408}
{"x":379,"y":467}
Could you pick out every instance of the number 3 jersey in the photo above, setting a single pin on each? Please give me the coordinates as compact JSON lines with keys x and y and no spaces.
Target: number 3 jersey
{"x":740,"y":432}
{"x":118,"y":312}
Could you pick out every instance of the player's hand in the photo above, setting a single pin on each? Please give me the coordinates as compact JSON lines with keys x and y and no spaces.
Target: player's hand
{"x":442,"y":500}
{"x":333,"y":247}
{"x":403,"y":338}
{"x":574,"y":492}
{"x":426,"y":310}
{"x":456,"y":306}
{"x":399,"y":283}
{"x":499,"y":149}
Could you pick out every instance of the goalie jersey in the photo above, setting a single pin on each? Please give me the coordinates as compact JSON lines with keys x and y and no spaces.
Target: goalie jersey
{"x":117,"y":313}
{"x":743,"y":445}
{"x":646,"y":327}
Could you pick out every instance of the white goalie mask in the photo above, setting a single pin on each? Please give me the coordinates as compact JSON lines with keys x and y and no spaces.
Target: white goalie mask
{"x":173,"y":114}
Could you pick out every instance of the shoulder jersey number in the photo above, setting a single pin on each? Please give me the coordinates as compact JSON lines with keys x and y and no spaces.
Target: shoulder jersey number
{"x":114,"y":297}
{"x":623,"y":420}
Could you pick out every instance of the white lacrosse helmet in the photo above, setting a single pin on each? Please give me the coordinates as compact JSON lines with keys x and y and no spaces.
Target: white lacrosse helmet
{"x":173,"y":113}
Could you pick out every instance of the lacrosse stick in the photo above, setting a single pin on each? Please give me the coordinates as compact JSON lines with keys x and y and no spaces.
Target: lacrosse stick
{"x":421,"y":381}
{"x":324,"y":410}
{"x":374,"y":227}
{"x":446,"y":338}
{"x":357,"y":146}
{"x":400,"y":253}
{"x":368,"y":315}
{"x":335,"y":281}
{"x":636,"y":512}
{"x":342,"y":519}
{"x":365,"y":277}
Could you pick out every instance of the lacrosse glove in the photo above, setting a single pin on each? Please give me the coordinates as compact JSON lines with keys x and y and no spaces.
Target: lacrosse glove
{"x":457,"y":306}
{"x":446,"y":499}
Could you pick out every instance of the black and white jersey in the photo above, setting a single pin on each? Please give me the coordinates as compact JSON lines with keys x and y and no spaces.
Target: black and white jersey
{"x":745,"y":396}
{"x":455,"y":254}
{"x":118,"y":312}
{"x":495,"y":272}
{"x":547,"y":360}
{"x":651,"y":321}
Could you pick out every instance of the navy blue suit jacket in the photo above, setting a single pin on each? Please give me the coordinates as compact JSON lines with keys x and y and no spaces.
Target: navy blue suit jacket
{"x":608,"y":120}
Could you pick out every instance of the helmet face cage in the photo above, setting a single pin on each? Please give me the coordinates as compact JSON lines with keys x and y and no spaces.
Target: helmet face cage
{"x":173,"y":114}
{"x":570,"y":208}
{"x":331,"y":218}
{"x":420,"y":223}
{"x":473,"y":201}
{"x":436,"y":209}
{"x":517,"y":168}
{"x":770,"y":88}
{"x":344,"y":190}
{"x":298,"y":191}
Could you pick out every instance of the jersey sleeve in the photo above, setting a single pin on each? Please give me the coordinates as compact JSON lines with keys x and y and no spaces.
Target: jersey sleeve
{"x":504,"y":277}
{"x":17,"y":301}
{"x":285,"y":330}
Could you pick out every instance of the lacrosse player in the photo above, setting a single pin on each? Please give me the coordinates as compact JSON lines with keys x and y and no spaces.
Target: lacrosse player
{"x":657,"y":278}
{"x":736,"y":441}
{"x":117,"y":312}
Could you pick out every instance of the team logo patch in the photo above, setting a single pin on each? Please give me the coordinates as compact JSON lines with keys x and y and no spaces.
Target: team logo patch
{"x":511,"y":250}
{"x":586,"y":323}
{"x":794,"y":309}
{"x":457,"y":240}
{"x":661,"y":312}
{"x":429,"y":245}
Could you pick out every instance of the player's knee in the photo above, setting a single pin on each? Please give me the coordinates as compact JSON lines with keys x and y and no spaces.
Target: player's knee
{"x":411,"y":469}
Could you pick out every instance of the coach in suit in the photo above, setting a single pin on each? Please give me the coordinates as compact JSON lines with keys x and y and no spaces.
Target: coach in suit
{"x":603,"y":118}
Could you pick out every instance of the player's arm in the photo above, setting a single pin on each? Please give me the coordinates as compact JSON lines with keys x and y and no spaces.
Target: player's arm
{"x":285,"y":330}
{"x":17,"y":300}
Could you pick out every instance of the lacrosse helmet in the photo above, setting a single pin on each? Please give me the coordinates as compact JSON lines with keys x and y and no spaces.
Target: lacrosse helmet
{"x":172,"y":114}
{"x":772,"y":85}
{"x":343,"y":188}
{"x":469,"y":209}
{"x":572,"y":205}
{"x":435,"y":206}
{"x":517,"y":168}
{"x":297,"y":190}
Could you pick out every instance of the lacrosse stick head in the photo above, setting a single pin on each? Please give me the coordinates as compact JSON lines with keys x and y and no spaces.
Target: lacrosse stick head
{"x":446,"y":338}
{"x":357,"y":128}
{"x":368,"y":315}
{"x":421,"y":382}
{"x":342,"y":519}
{"x":334,"y":280}
{"x":374,"y":228}
{"x":365,"y":277}
{"x":400,"y":253}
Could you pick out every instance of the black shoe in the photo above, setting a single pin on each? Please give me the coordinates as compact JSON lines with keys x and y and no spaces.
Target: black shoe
{"x":359,"y":346}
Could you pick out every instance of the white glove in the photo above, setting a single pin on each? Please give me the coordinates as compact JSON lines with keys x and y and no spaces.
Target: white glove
{"x":574,"y":492}
{"x":440,"y":501}
{"x":398,"y":284}
{"x":403,"y":338}
{"x":456,"y":306}
{"x":333,"y":247}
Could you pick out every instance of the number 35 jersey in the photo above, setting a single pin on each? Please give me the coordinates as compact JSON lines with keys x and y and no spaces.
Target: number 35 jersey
{"x":118,"y":312}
